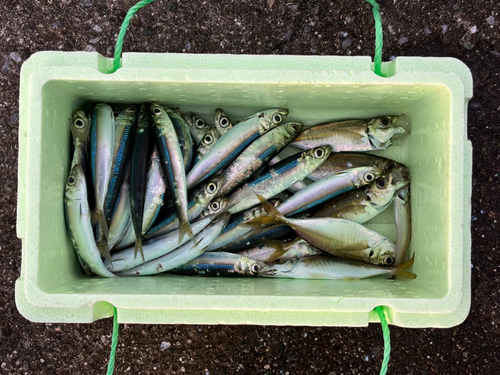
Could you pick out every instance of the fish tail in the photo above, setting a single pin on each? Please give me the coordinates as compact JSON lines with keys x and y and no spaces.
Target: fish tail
{"x":401,"y":269}
{"x":139,"y":249}
{"x":104,"y":250}
{"x":273,"y":217}
{"x":280,"y":249}
{"x":185,"y":228}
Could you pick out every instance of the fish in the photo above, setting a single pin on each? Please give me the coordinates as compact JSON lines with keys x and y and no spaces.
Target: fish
{"x":184,"y":137}
{"x":141,"y":153}
{"x":216,"y":207}
{"x":366,"y":203}
{"x":256,"y":155}
{"x":102,"y":138}
{"x":184,"y":253}
{"x":173,"y":166}
{"x":232,"y":143}
{"x":220,"y":264}
{"x":122,"y":217}
{"x":199,"y":199}
{"x":235,"y":228}
{"x":338,"y":237}
{"x":354,"y":135}
{"x":207,"y":142}
{"x":222,"y":122}
{"x":328,"y":188}
{"x":198,"y":127}
{"x":338,"y":162}
{"x":124,"y":140}
{"x":155,"y":191}
{"x":78,"y":222}
{"x":296,"y":249}
{"x":402,"y":216}
{"x":277,"y":178}
{"x":125,"y":259}
{"x":331,"y":268}
{"x":264,"y":253}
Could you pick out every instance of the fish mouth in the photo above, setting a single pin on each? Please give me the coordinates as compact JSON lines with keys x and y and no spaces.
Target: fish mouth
{"x":401,"y":126}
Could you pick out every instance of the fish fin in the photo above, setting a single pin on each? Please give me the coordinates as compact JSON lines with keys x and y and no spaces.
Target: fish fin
{"x":185,"y":228}
{"x":280,"y":249}
{"x":138,"y":249}
{"x":274,"y":216}
{"x":98,"y":219}
{"x":401,"y":269}
{"x":104,"y":250}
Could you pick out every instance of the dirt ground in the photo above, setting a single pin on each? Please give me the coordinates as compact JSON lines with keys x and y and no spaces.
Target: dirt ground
{"x":466,"y":30}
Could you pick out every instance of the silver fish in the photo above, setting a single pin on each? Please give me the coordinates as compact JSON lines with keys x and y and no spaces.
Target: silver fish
{"x":184,"y":253}
{"x":184,"y":137}
{"x":402,"y":215}
{"x":232,"y":143}
{"x":339,"y":237}
{"x":208,"y":140}
{"x":220,"y":264}
{"x":354,"y":135}
{"x":328,"y":268}
{"x":155,"y":191}
{"x":256,"y":156}
{"x":77,"y":214}
{"x":198,"y":127}
{"x":278,"y":178}
{"x":80,"y":129}
{"x":173,"y":166}
{"x":122,"y":219}
{"x":222,"y":122}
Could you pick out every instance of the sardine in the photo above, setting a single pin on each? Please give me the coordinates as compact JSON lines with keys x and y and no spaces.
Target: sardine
{"x":199,"y":199}
{"x":173,"y":166}
{"x":124,"y":140}
{"x":339,"y":237}
{"x":220,"y":264}
{"x":207,"y":142}
{"x":325,"y":190}
{"x":184,"y":253}
{"x":80,"y":129}
{"x":354,"y":135}
{"x":256,"y":156}
{"x":125,"y":259}
{"x":402,"y":215}
{"x":329,"y":268}
{"x":155,"y":191}
{"x":102,"y":137}
{"x":198,"y":127}
{"x":277,"y":178}
{"x":232,"y":143}
{"x":366,"y":203}
{"x":143,"y":146}
{"x":122,"y":218}
{"x":78,"y":221}
{"x":222,"y":122}
{"x":184,"y":137}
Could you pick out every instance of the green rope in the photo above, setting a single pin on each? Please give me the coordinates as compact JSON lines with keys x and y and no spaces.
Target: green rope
{"x":377,"y":60}
{"x":387,"y":339}
{"x":114,"y":343}
{"x":123,"y":31}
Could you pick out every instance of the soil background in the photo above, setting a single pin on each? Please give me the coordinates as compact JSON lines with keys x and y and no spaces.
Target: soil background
{"x":467,"y":30}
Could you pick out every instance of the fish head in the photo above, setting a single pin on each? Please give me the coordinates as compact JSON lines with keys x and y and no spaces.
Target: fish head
{"x":210,"y":137}
{"x":215,"y":207}
{"x":383,"y":253}
{"x":293,"y":129}
{"x":317,"y":155}
{"x":382,"y":130}
{"x":247,"y":266}
{"x":221,"y":220}
{"x":196,"y":122}
{"x":128,"y":115}
{"x":382,"y":191}
{"x":221,"y":119}
{"x":209,"y":190}
{"x":271,"y":118}
{"x":80,"y":126}
{"x":157,"y":111}
{"x":75,"y":184}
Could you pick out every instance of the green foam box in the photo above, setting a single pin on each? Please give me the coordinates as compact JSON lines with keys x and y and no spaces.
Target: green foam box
{"x":432,"y":92}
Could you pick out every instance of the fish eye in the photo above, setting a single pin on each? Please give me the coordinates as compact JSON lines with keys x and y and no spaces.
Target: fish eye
{"x":116,"y":113}
{"x":211,"y":188}
{"x":157,"y":111}
{"x":389,"y":166}
{"x":295,"y":128}
{"x":319,"y":153}
{"x":132,"y":110}
{"x":385,"y":121}
{"x":215,"y":206}
{"x":224,"y":122}
{"x":381,"y":183}
{"x":255,"y":268}
{"x":277,"y":118}
{"x":208,"y":139}
{"x":388,"y":261}
{"x":199,"y":123}
{"x":79,"y":123}
{"x":371,"y":253}
{"x":71,"y":180}
{"x":369,"y":177}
